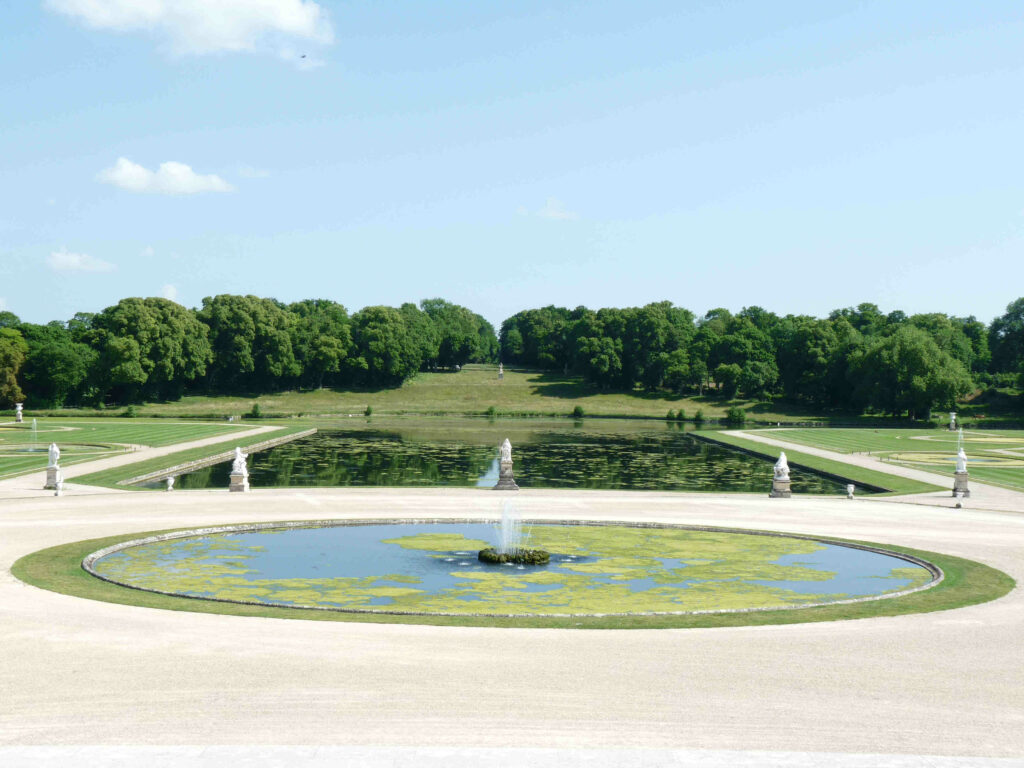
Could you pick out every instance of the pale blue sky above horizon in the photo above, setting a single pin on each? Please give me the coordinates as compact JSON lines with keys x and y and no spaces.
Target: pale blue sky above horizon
{"x":800,"y":156}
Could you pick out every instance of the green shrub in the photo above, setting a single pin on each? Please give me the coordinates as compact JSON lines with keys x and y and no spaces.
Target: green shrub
{"x":256,"y":412}
{"x":577,"y":412}
{"x":491,"y":412}
{"x":736,"y":416}
{"x":670,"y":416}
{"x":130,"y":412}
{"x":369,"y":411}
{"x":698,"y":417}
{"x":680,"y":415}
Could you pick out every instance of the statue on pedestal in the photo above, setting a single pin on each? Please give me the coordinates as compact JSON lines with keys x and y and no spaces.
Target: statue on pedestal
{"x":54,"y":477}
{"x":501,"y":371}
{"x":18,"y":417}
{"x":780,"y":479}
{"x":239,"y":473}
{"x":506,"y":480}
{"x":960,"y":476}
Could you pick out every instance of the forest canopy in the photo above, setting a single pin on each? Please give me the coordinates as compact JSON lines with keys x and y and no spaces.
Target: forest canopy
{"x":856,"y":359}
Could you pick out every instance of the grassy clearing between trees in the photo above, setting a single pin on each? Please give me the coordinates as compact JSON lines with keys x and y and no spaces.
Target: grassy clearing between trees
{"x":993,"y":456}
{"x":109,"y":478}
{"x":896,"y":485}
{"x":59,"y":569}
{"x":84,"y":440}
{"x":474,"y":390}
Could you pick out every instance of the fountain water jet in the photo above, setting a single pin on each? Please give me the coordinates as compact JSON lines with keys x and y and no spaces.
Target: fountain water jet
{"x":510,"y":549}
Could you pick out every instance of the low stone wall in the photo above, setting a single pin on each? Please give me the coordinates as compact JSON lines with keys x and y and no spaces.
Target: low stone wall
{"x":217,"y":458}
{"x":772,"y":457}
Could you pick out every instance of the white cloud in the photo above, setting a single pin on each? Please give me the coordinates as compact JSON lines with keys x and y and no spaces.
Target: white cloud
{"x":555,"y":209}
{"x":65,"y":261}
{"x":209,"y":26}
{"x":170,"y":178}
{"x":169,"y":292}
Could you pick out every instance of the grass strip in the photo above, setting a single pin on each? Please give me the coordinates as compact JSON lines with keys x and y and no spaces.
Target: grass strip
{"x":108,"y":478}
{"x":966,"y":582}
{"x":896,"y":485}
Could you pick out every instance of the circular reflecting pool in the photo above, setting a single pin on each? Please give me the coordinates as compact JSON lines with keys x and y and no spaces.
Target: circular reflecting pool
{"x":432,"y":568}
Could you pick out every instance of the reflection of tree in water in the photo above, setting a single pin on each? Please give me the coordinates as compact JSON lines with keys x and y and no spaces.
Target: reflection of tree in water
{"x":366,"y":458}
{"x":553,"y":459}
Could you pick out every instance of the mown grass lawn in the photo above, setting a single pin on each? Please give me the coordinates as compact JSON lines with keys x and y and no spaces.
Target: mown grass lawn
{"x":59,"y":569}
{"x":24,"y":450}
{"x":109,"y":478}
{"x":993,"y":456}
{"x":472,"y":391}
{"x":895,"y":484}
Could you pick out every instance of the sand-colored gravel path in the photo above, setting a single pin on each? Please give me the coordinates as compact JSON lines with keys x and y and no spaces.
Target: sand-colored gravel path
{"x":77,"y":672}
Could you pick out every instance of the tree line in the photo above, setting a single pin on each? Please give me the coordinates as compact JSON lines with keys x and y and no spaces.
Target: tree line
{"x":155,"y":349}
{"x":855,"y":359}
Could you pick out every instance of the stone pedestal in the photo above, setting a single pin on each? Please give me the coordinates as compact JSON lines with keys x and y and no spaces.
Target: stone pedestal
{"x":960,"y":485}
{"x":53,"y":477}
{"x":506,"y":482}
{"x":780,"y":489}
{"x":19,"y":418}
{"x":239,"y":482}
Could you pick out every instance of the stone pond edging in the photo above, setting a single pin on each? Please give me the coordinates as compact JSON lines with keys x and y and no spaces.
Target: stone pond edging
{"x":88,"y":564}
{"x":217,"y":458}
{"x":771,"y":457}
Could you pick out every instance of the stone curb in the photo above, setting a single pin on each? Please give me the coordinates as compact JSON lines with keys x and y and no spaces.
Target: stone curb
{"x":772,"y":457}
{"x":88,"y":564}
{"x":189,"y":466}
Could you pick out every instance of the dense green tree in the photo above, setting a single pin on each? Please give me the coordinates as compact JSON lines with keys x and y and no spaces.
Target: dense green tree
{"x":758,"y":378}
{"x":486,"y":343}
{"x":57,"y":372}
{"x":251,"y":342}
{"x":386,"y":352}
{"x":1006,"y":338}
{"x":457,"y":330}
{"x":537,"y":338}
{"x":13,"y":351}
{"x":805,"y":355}
{"x":727,"y":376}
{"x":908,"y":372}
{"x":173,"y":348}
{"x":321,"y":340}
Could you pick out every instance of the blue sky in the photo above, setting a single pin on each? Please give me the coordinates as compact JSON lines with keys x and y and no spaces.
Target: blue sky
{"x":800,"y":156}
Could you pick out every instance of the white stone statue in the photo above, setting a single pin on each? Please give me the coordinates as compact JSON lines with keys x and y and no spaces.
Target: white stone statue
{"x":54,"y":455}
{"x":501,"y":371}
{"x":506,"y":452}
{"x":238,"y":464}
{"x":17,"y":413}
{"x":782,"y":467}
{"x":170,"y":483}
{"x":961,"y":461}
{"x":952,"y":420}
